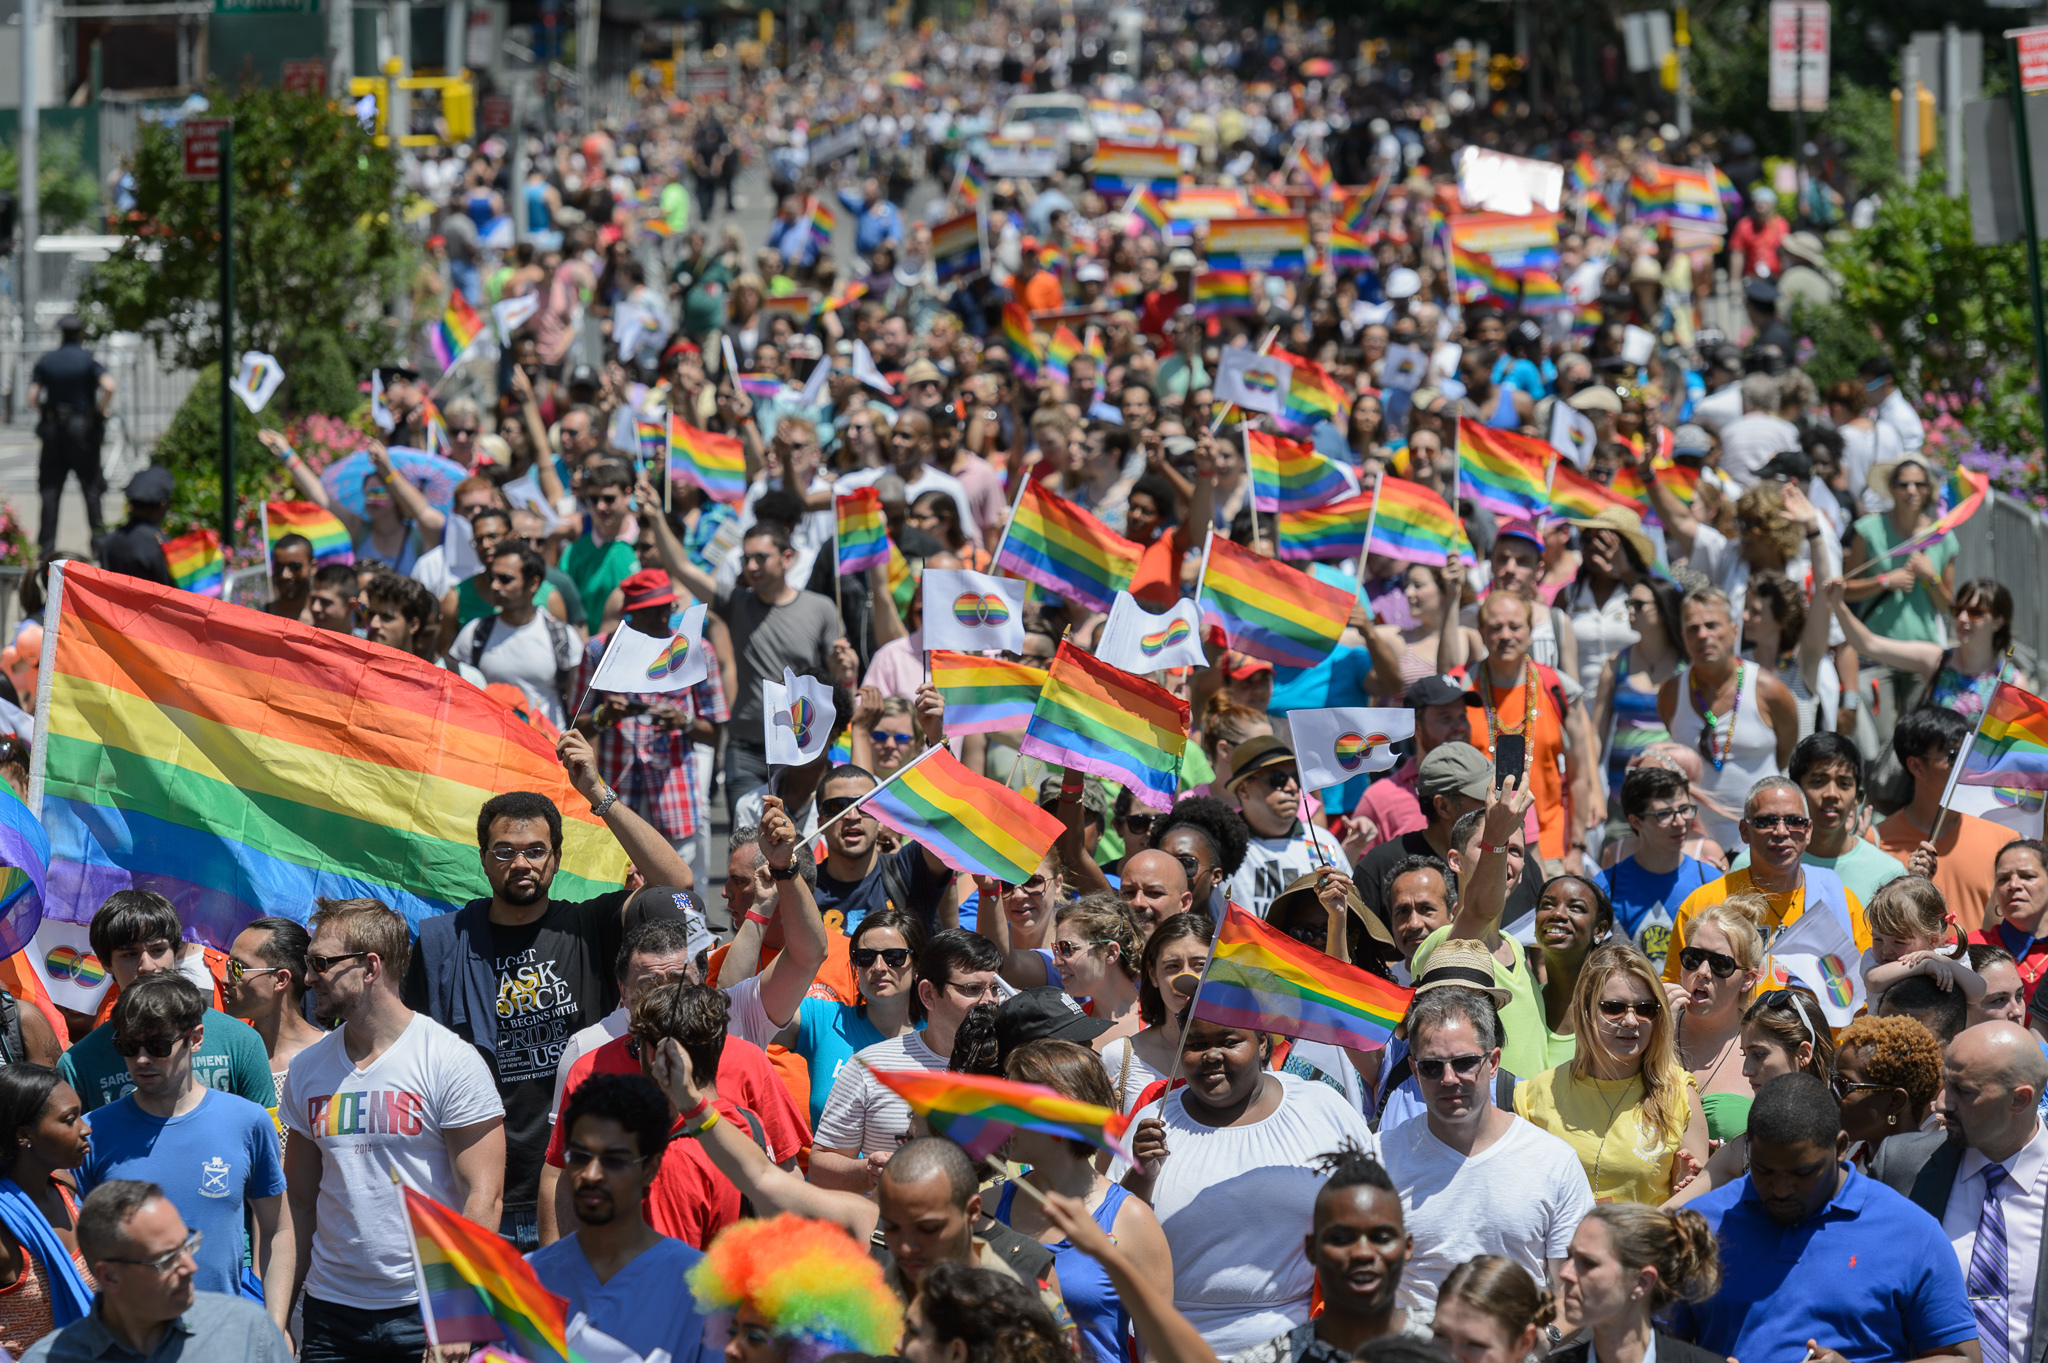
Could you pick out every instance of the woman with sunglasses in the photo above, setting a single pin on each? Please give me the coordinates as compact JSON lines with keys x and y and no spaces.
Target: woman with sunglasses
{"x":1959,"y":678}
{"x":1095,"y":949}
{"x":44,"y":1283}
{"x":1623,"y":1102}
{"x":1887,"y":1076}
{"x":1019,"y":920}
{"x":1908,"y":594}
{"x":1625,"y":718}
{"x":883,"y":951}
{"x":1783,"y":1032}
{"x":1722,"y":960}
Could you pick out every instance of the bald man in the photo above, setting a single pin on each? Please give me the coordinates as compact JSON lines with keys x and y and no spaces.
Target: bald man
{"x":911,"y":447}
{"x":1156,"y":885}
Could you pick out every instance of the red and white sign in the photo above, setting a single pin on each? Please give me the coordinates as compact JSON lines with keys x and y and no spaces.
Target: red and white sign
{"x":2033,"y":43}
{"x":305,"y":75}
{"x":496,"y":113}
{"x":1799,"y":55}
{"x":199,"y":139}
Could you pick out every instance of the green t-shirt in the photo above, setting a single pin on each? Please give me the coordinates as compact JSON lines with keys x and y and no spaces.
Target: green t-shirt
{"x":597,"y":569}
{"x":230,"y":1058}
{"x":1528,"y":1046}
{"x":1863,"y":868}
{"x":1903,"y":615}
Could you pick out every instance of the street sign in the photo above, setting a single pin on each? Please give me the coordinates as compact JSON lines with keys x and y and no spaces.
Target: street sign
{"x":1799,"y":55}
{"x":305,"y":75}
{"x":496,"y":113}
{"x":199,"y":141}
{"x":2033,"y":45}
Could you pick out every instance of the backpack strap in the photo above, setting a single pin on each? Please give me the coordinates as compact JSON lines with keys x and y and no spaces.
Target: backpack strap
{"x":568,"y":661}
{"x":481,"y":639}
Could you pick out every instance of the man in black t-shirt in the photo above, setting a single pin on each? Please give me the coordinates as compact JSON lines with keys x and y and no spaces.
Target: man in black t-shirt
{"x":71,"y":391}
{"x":857,"y":877}
{"x":518,"y":974}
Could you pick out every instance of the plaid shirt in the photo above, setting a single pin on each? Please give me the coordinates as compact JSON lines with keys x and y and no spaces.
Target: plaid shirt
{"x":647,"y":762}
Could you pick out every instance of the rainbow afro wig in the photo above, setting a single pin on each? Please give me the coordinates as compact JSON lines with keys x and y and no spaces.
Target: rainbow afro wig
{"x":809,"y":1279}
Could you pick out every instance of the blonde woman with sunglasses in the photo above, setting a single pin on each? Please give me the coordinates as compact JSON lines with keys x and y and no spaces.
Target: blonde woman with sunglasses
{"x":1722,"y":960}
{"x":1624,"y":1101}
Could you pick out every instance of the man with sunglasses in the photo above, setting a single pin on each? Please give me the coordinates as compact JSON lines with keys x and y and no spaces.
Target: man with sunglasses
{"x":1283,"y":847}
{"x":616,"y":1269}
{"x":1829,"y":768}
{"x":857,"y":876}
{"x":603,"y":556}
{"x":1646,"y":887}
{"x":1928,"y":742}
{"x":215,"y":1154}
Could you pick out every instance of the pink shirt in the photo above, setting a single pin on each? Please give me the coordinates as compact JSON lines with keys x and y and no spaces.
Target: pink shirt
{"x":984,"y":488}
{"x":897,"y":669}
{"x":1392,"y":806}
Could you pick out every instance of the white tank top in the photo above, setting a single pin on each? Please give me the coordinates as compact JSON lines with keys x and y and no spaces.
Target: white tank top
{"x":1752,"y":752}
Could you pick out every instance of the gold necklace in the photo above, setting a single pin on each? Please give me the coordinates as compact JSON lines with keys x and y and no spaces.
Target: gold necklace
{"x":1600,"y":1150}
{"x":1494,"y":727}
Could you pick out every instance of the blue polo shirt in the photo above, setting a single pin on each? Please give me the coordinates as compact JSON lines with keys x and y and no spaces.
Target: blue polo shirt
{"x":1870,"y":1276}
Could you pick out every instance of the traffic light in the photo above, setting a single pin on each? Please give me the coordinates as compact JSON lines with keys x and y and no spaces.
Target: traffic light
{"x":1928,"y":138}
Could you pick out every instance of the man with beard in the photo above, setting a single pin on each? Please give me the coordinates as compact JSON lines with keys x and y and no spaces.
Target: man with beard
{"x":617,"y":1269}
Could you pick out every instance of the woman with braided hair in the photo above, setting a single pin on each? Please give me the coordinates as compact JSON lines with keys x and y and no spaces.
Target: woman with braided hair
{"x":793,"y":1290}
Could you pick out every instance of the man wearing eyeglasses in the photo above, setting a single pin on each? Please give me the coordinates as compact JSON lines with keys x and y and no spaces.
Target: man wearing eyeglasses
{"x":215,"y":1154}
{"x":1645,"y":888}
{"x":148,"y":1306}
{"x":604,"y":556}
{"x":1928,"y":743}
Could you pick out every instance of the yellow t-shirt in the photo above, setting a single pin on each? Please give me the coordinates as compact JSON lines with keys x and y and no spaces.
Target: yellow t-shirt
{"x":1602,"y":1120}
{"x":1785,"y":911}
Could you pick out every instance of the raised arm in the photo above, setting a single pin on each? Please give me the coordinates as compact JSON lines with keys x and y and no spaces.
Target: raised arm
{"x":308,"y":482}
{"x":1680,"y":525}
{"x":544,"y":473}
{"x":789,"y":975}
{"x":1143,"y":1275}
{"x":674,"y":557}
{"x":1022,"y":967}
{"x":647,"y":849}
{"x":1073,"y":839}
{"x":1907,"y":655}
{"x":1482,"y":898}
{"x":412,"y":503}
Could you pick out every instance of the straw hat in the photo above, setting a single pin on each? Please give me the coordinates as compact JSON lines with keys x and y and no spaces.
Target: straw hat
{"x":1304,"y":888}
{"x":1462,"y":963}
{"x":1624,"y":523}
{"x":1881,"y":474}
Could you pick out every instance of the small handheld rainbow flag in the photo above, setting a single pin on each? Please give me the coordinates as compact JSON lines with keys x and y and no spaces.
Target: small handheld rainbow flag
{"x":823,"y":222}
{"x":956,"y":246}
{"x":1096,"y":718}
{"x":852,"y":291}
{"x":1261,"y":979}
{"x":1601,"y":219}
{"x":863,"y":533}
{"x":1966,"y":491}
{"x":1063,"y":549}
{"x":196,"y":563}
{"x":1312,"y":396}
{"x":649,"y":434}
{"x":1221,"y":293}
{"x":1059,"y":355}
{"x":756,"y":386}
{"x":985,"y":695}
{"x":1288,"y":475}
{"x":456,"y":331}
{"x":973,"y":824}
{"x":315,"y":522}
{"x":1413,"y":524}
{"x":1270,"y":200}
{"x":978,"y":1112}
{"x":1333,"y":530}
{"x":2011,"y":747}
{"x":716,"y":463}
{"x":1503,"y":471}
{"x":1541,"y":292}
{"x":1269,"y":610}
{"x":1119,"y":166}
{"x":475,"y":1287}
{"x":1146,"y":207}
{"x":1316,"y":171}
{"x":1574,"y":494}
{"x":1478,"y":278}
{"x":1348,"y":250}
{"x":973,"y":184}
{"x":1025,"y":358}
{"x":1583,"y":172}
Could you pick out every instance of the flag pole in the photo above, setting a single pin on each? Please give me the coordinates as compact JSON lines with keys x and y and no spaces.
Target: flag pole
{"x":1372,"y":518}
{"x":870,"y":794}
{"x":1223,"y":412}
{"x":995,"y":559}
{"x":1963,"y":757}
{"x":1181,"y":1045}
{"x":595,"y":672}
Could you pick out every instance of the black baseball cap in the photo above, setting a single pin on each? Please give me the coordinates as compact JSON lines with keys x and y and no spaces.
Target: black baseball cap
{"x":1046,"y":1013}
{"x":1437,"y":690}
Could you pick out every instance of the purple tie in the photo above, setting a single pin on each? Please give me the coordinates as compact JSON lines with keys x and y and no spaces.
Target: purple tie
{"x":1987,"y":1286}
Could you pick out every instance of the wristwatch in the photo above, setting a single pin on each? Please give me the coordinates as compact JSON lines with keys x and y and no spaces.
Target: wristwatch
{"x":603,"y":806}
{"x":783,"y":872}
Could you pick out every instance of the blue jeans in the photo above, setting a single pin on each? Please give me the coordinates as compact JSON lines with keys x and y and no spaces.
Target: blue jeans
{"x":353,"y":1334}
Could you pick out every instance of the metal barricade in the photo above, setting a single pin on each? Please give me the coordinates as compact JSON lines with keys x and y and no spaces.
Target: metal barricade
{"x":2008,"y":541}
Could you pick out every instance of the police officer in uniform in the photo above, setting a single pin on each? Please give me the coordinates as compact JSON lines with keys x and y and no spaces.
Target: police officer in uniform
{"x":137,"y":548}
{"x":72,"y":391}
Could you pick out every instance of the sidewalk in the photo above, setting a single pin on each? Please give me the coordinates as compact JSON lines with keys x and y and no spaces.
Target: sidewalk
{"x":20,"y":452}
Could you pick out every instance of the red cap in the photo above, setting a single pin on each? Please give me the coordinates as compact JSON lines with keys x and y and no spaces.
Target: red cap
{"x":648,"y":587}
{"x":1238,"y":666}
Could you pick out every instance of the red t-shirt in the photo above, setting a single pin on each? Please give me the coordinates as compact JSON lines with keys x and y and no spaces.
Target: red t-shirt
{"x":2032,"y":966}
{"x":1759,"y":247}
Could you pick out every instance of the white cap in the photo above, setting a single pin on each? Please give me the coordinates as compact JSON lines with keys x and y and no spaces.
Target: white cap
{"x":1402,"y":282}
{"x":1091,"y":272}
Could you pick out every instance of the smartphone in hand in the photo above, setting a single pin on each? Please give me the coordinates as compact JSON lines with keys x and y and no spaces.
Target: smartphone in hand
{"x":1510,"y":755}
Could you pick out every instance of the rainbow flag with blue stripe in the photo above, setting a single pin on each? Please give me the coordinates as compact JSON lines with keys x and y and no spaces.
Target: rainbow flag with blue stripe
{"x":1288,"y":475}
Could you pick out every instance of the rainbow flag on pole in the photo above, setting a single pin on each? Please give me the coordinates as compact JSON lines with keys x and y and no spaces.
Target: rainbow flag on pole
{"x":1348,"y":250}
{"x":1965,"y":492}
{"x":315,"y":522}
{"x":1122,"y":166}
{"x":978,"y":1112}
{"x":1269,"y":610}
{"x":1312,"y":396}
{"x":1288,"y":475}
{"x":985,"y":695}
{"x":823,"y":222}
{"x":1065,"y":550}
{"x":196,"y":563}
{"x":1059,"y":355}
{"x":1221,"y":293}
{"x":473,"y":1285}
{"x":1503,"y":471}
{"x":456,"y":331}
{"x":1096,"y":718}
{"x":2011,"y":747}
{"x":863,"y":533}
{"x":956,"y":246}
{"x":716,"y":463}
{"x":1025,"y":357}
{"x":975,"y":825}
{"x":1477,"y":278}
{"x":1574,"y":494}
{"x":1147,"y":208}
{"x":1261,"y":979}
{"x":1413,"y":524}
{"x":1333,"y":530}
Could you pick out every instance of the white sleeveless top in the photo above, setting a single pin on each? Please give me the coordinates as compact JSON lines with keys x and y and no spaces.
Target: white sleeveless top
{"x":1752,"y":752}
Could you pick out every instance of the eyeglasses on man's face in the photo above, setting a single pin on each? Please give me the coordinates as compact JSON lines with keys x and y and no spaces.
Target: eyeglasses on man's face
{"x":168,"y":1260}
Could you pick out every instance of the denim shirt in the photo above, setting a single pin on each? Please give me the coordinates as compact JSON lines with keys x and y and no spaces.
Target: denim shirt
{"x":215,"y":1326}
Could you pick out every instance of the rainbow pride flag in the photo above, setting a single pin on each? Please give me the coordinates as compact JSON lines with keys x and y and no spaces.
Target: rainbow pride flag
{"x":1583,"y":172}
{"x":1348,"y":250}
{"x":196,"y":563}
{"x":978,"y":1112}
{"x":1063,"y":549}
{"x":456,"y":331}
{"x":1288,"y":475}
{"x":1966,"y":491}
{"x":1505,"y":472}
{"x":1333,"y":530}
{"x":2011,"y":747}
{"x":1148,"y":209}
{"x":1478,"y":279}
{"x":473,"y":1286}
{"x":1059,"y":355}
{"x":1413,"y":524}
{"x":973,"y":184}
{"x":1122,"y":166}
{"x":1261,"y":979}
{"x":716,"y":463}
{"x":315,"y":522}
{"x":956,"y":246}
{"x":976,"y":826}
{"x":824,"y":222}
{"x":863,"y":534}
{"x":1601,"y":219}
{"x":24,"y":871}
{"x":243,"y":763}
{"x":649,"y":434}
{"x":1025,"y":358}
{"x":985,"y":695}
{"x":1316,"y":171}
{"x":1312,"y":396}
{"x":852,"y":291}
{"x":1574,"y":494}
{"x":1096,"y":718}
{"x":1541,"y":292}
{"x":1270,"y":200}
{"x":753,"y":385}
{"x":1222,"y":293}
{"x":1682,"y":480}
{"x":1269,"y":610}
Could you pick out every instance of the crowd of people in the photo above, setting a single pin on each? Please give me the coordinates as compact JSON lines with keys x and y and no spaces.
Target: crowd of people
{"x":1614,"y":1123}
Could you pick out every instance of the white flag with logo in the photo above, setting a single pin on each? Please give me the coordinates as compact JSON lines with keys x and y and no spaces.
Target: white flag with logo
{"x":797,"y":715}
{"x":1257,"y":383}
{"x":1332,"y":746}
{"x":255,"y":383}
{"x":1572,"y":434}
{"x":973,"y":612}
{"x":1403,"y":367}
{"x":1139,"y":641}
{"x":646,"y":662}
{"x":458,"y":549}
{"x":867,"y":371}
{"x":512,"y":313}
{"x":1819,"y":952}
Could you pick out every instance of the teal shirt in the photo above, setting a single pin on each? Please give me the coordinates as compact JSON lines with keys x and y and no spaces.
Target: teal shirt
{"x":597,"y":569}
{"x":1863,"y":868}
{"x":1903,"y":615}
{"x":230,"y":1058}
{"x":828,"y":1035}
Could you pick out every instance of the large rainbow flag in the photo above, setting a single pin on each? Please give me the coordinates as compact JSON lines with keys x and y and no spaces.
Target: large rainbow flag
{"x":863,"y":539}
{"x":1096,"y":718}
{"x":24,"y":871}
{"x":1288,"y":475}
{"x":979,"y":1111}
{"x":1413,"y":524}
{"x":1065,"y":550}
{"x":985,"y":695}
{"x":195,"y":561}
{"x":322,"y":527}
{"x":1503,"y":471}
{"x":1333,"y":530}
{"x":475,"y":1286}
{"x":2011,"y":747}
{"x":241,"y":764}
{"x":456,"y":331}
{"x":716,"y":463}
{"x":971,"y":823}
{"x":1261,"y":979}
{"x":1270,"y":610}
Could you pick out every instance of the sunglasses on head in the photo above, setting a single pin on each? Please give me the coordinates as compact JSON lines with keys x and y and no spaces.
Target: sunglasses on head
{"x":1692,"y":958}
{"x":864,"y":957}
